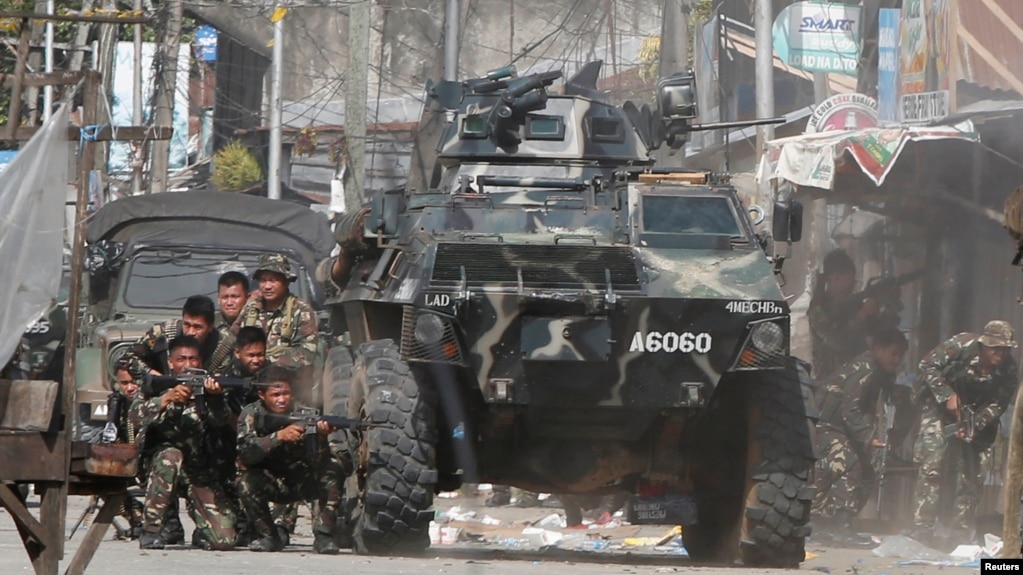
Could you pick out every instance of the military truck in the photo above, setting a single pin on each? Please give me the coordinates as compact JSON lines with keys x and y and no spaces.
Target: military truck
{"x":555,"y":313}
{"x":147,"y":254}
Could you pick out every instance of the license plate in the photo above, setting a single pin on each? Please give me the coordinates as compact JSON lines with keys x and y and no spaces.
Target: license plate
{"x":669,"y":509}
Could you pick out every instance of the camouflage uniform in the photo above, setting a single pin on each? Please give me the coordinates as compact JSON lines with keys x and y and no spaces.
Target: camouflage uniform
{"x":150,"y":351}
{"x":271,"y":470}
{"x":176,"y":456}
{"x":838,"y":335}
{"x":850,"y":403}
{"x":291,"y":331}
{"x":952,"y":368}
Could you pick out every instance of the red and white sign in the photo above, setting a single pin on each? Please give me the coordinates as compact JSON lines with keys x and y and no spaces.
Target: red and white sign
{"x":844,"y":112}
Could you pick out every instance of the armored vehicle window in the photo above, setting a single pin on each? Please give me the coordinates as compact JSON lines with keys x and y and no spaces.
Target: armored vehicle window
{"x":606,"y":130}
{"x":689,"y":215}
{"x":474,"y":127}
{"x":545,"y":128}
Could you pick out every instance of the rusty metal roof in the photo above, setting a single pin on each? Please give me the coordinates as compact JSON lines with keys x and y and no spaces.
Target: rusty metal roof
{"x":991,"y":43}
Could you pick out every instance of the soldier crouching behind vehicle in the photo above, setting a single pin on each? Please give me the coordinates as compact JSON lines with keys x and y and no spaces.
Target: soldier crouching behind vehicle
{"x":966,"y":384}
{"x":853,"y":432}
{"x":171,"y":435}
{"x":278,"y":466}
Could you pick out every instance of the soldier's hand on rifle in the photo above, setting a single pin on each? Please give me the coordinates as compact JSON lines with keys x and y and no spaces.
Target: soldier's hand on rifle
{"x":952,"y":404}
{"x":324,"y":428}
{"x":177,"y":394}
{"x":212,"y":387}
{"x":961,"y":434}
{"x":290,"y":433}
{"x":877,"y":443}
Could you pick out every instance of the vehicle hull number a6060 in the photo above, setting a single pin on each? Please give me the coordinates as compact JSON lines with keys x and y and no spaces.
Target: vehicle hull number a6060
{"x":670,"y":342}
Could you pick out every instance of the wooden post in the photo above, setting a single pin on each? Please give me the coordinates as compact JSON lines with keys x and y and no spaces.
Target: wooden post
{"x":14,"y":118}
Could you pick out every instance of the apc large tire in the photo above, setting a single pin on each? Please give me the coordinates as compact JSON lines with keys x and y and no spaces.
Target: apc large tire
{"x":388,"y":499}
{"x":336,"y":389}
{"x":760,"y":507}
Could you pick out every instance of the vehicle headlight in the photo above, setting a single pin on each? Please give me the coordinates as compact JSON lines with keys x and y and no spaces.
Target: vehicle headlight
{"x":768,"y":337}
{"x":429,"y":329}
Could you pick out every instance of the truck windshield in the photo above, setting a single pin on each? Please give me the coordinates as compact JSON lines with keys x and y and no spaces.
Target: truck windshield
{"x":166,"y":278}
{"x":690,"y":215}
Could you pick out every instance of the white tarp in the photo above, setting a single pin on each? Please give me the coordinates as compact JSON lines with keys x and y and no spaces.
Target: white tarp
{"x":32,"y":192}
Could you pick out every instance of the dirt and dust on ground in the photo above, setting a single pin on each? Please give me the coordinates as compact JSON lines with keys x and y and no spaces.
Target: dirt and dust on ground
{"x":474,"y":539}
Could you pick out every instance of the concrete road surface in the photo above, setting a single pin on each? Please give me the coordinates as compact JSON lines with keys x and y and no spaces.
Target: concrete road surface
{"x":499,"y":556}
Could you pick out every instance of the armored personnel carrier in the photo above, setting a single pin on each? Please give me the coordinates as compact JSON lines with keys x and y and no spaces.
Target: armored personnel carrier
{"x":554,"y":313}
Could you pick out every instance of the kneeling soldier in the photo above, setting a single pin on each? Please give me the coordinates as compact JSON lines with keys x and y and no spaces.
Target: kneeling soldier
{"x":277,"y":466}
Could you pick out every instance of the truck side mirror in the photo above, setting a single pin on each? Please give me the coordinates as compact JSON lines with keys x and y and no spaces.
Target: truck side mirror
{"x":787,"y":222}
{"x":386,"y":207}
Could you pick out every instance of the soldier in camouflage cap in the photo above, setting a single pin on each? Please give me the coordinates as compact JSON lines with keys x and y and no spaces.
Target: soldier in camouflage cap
{"x":277,"y":465}
{"x":289,"y":322}
{"x":848,"y":434}
{"x":967,"y":383}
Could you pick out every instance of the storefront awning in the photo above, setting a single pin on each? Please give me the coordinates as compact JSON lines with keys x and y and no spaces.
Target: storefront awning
{"x":814,"y":159}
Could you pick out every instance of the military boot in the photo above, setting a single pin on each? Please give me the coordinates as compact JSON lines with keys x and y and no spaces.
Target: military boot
{"x":323,"y":544}
{"x":283,"y":534}
{"x":172,"y":532}
{"x":269,"y":544}
{"x":150,"y":540}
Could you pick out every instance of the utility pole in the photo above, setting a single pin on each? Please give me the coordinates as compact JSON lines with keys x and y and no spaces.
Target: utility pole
{"x":674,"y":38}
{"x":273,"y":176}
{"x":763,"y":19}
{"x":166,"y":83}
{"x":452,"y":35}
{"x":356,"y":92}
{"x":136,"y":106}
{"x":48,"y":64}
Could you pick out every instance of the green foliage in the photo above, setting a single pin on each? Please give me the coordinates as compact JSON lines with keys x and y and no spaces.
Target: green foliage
{"x":235,"y":168}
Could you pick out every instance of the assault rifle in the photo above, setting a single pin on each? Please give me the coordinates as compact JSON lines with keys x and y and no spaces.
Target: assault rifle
{"x":307,"y":417}
{"x":154,"y":385}
{"x":965,"y":422}
{"x":876,"y":287}
{"x":887,"y":423}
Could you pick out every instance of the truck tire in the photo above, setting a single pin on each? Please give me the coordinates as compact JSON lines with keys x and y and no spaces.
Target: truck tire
{"x":757,"y":508}
{"x":388,"y":499}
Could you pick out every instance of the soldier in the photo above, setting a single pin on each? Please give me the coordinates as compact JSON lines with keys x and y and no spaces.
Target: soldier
{"x":289,"y":322}
{"x":249,"y":359}
{"x":838,"y":326}
{"x":198,"y":316}
{"x":966,"y":384}
{"x":171,"y":432}
{"x":278,"y":466}
{"x":232,"y":292}
{"x":849,"y":432}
